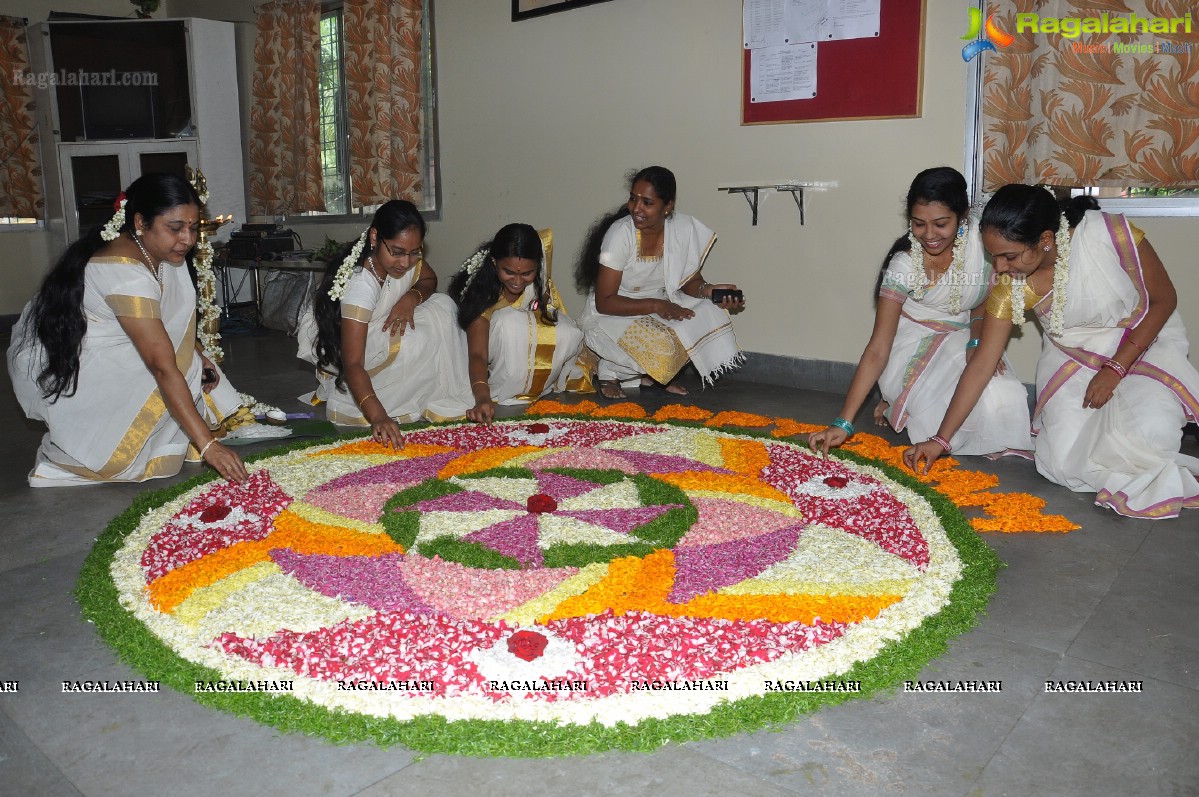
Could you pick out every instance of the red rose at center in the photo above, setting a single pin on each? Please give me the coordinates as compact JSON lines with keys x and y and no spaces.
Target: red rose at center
{"x":214,"y":513}
{"x":527,"y":645}
{"x":541,"y":503}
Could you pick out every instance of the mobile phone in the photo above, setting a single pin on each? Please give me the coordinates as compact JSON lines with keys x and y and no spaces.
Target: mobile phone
{"x":720,"y":294}
{"x":208,"y":376}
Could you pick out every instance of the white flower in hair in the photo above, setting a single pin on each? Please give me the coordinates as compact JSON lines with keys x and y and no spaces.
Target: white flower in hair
{"x":112,"y":229}
{"x":347,"y":268}
{"x":473,"y":264}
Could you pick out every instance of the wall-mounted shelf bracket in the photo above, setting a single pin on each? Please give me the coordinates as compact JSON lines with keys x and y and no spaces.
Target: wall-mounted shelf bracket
{"x":795,"y":188}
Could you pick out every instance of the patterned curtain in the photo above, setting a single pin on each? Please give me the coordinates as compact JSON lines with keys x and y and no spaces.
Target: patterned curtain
{"x":1077,"y":111}
{"x":285,"y":142}
{"x":383,"y":90}
{"x":20,"y":167}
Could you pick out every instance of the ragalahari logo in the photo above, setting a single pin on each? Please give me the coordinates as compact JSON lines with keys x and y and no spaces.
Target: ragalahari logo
{"x":994,"y":35}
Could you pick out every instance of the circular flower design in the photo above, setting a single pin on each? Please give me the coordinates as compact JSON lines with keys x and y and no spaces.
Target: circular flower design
{"x":551,"y":517}
{"x":615,"y":573}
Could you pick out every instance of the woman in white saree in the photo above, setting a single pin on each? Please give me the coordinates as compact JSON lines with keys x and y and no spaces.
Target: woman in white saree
{"x":933,"y":281}
{"x":521,"y":344}
{"x":649,"y":310}
{"x":387,"y":347}
{"x":106,"y":353}
{"x":1114,"y":386}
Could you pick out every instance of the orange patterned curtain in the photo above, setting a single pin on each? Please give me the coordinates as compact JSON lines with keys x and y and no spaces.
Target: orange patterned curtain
{"x":1078,"y":111}
{"x":383,"y":90}
{"x":285,"y":142}
{"x":20,"y":167}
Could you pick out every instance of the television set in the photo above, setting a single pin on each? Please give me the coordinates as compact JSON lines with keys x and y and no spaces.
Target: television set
{"x":121,"y":79}
{"x":115,"y":112}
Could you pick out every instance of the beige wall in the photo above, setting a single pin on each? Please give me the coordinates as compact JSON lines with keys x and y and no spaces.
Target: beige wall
{"x":541,"y":119}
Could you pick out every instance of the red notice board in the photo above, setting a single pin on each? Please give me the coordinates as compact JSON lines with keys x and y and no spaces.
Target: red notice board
{"x":875,"y":78}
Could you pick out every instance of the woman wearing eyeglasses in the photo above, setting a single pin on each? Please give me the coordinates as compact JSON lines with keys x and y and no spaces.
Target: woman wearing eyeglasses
{"x":387,"y":347}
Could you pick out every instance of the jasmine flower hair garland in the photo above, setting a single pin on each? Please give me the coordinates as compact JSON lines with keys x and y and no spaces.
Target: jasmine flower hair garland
{"x":347,"y":268}
{"x":954,"y":272}
{"x":472,"y":265}
{"x":112,"y":229}
{"x":1061,"y":278}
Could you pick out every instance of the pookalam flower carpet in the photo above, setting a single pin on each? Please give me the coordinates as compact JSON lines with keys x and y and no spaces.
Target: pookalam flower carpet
{"x":580,"y":579}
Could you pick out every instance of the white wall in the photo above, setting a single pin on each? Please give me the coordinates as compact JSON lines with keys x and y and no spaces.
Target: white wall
{"x":541,"y":119}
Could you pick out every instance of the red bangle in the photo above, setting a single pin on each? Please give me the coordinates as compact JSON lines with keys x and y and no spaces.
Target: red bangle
{"x":1115,"y":366}
{"x":941,"y":441}
{"x":1142,"y":349}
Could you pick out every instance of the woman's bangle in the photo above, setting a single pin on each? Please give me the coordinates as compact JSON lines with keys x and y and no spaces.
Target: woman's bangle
{"x":207,"y":446}
{"x":844,"y":425}
{"x":972,"y":343}
{"x":1142,"y":349}
{"x":699,"y":294}
{"x":364,"y":399}
{"x":941,"y":441}
{"x":1115,"y":366}
{"x":478,"y":382}
{"x":418,"y":293}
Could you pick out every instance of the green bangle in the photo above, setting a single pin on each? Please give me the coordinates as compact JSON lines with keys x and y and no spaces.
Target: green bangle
{"x":972,"y":343}
{"x":841,"y":423}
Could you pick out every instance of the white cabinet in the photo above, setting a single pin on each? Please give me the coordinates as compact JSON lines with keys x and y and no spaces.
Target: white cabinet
{"x":92,"y":174}
{"x":126,"y":97}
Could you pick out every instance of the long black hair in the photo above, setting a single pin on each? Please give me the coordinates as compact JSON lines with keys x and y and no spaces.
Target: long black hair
{"x":587,"y":268}
{"x":939,"y":184}
{"x":56,"y":316}
{"x":1022,"y":213}
{"x":483,"y":290}
{"x":391,"y":219}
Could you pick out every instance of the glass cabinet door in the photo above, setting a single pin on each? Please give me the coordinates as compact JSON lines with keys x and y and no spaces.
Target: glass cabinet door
{"x":93,"y":176}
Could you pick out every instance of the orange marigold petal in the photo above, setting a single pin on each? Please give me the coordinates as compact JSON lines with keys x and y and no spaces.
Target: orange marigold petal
{"x":291,"y":531}
{"x":551,"y":407}
{"x":722,"y":483}
{"x":744,"y":456}
{"x":682,"y":412}
{"x":488,"y":458}
{"x":731,"y":418}
{"x":625,"y":409}
{"x":785,"y":427}
{"x":632,"y":584}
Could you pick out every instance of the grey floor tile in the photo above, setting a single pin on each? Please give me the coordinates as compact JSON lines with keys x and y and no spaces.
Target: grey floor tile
{"x":1051,"y":587}
{"x":671,"y":772}
{"x":1146,"y":624}
{"x":165,"y":743}
{"x":905,"y":742}
{"x":24,"y":770}
{"x":1106,"y":745}
{"x":43,"y":636}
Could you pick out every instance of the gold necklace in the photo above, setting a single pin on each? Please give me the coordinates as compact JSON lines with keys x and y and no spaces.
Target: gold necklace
{"x":157,"y":272}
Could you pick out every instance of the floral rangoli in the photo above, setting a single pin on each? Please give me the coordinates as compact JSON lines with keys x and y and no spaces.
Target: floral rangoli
{"x":539,"y":586}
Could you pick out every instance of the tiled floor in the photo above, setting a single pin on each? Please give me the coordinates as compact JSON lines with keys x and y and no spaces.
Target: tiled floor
{"x":1116,"y":600}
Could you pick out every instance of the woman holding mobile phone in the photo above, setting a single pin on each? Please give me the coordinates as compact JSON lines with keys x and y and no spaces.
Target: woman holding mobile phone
{"x":649,"y":309}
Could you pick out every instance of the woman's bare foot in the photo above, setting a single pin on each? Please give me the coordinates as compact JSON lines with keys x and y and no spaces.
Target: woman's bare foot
{"x":880,"y":419}
{"x":611,"y":389}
